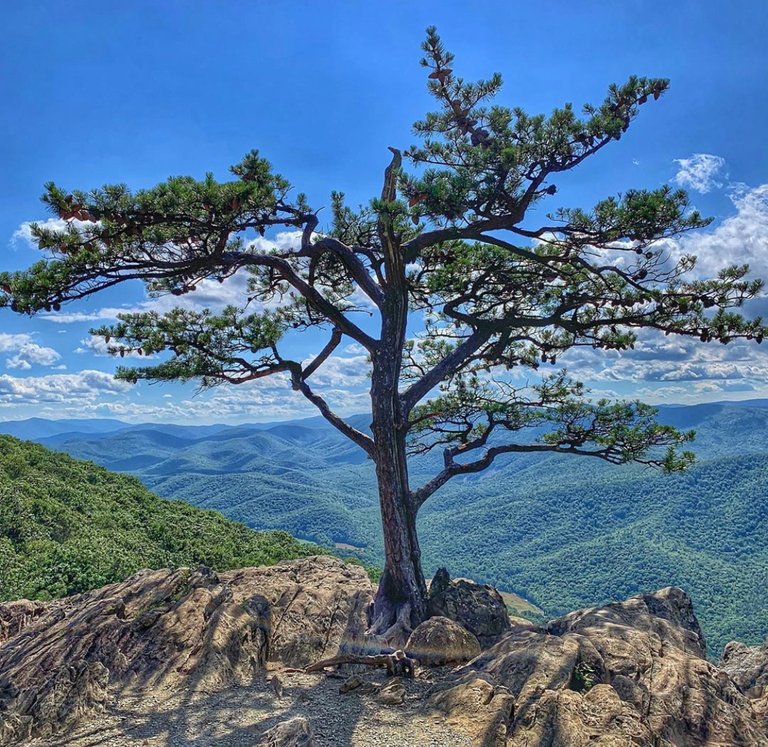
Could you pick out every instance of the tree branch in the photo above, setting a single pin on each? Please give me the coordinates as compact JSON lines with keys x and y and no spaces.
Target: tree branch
{"x":324,"y":354}
{"x":310,"y":293}
{"x":351,"y":261}
{"x":454,"y":468}
{"x":364,"y":441}
{"x":448,"y":365}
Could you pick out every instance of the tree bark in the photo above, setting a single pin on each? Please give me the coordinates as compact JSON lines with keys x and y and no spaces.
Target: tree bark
{"x":401,"y":600}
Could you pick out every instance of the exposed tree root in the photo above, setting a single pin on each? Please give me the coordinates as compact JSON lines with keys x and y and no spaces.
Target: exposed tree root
{"x":392,"y":626}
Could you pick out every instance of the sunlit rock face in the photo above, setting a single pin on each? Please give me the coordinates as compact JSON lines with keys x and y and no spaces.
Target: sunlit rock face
{"x":170,"y":629}
{"x":747,"y":666}
{"x":630,"y":673}
{"x":439,"y":641}
{"x":319,"y":606}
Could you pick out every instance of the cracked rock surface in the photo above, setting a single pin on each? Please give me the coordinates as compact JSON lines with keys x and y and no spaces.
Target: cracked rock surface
{"x":183,"y":629}
{"x":191,"y":658}
{"x":629,"y":673}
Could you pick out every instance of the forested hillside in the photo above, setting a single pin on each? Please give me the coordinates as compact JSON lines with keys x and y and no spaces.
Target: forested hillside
{"x":563,"y":531}
{"x":67,"y":526}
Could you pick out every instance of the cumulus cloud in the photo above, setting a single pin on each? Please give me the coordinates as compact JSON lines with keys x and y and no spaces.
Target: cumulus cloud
{"x":267,"y":399}
{"x":33,"y":354}
{"x":9,"y":343}
{"x":660,"y":360}
{"x":75,"y":388}
{"x":23,"y":234}
{"x":683,"y":369}
{"x":741,"y":238}
{"x":27,"y":352}
{"x":700,"y":172}
{"x":337,"y":371}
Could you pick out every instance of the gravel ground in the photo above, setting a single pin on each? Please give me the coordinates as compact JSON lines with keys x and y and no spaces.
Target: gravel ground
{"x":237,"y":717}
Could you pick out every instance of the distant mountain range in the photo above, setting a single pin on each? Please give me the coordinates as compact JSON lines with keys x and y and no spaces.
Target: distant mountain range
{"x":562,"y":531}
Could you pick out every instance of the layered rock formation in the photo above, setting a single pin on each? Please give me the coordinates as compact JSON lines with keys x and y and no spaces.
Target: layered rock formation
{"x":319,"y":606}
{"x":188,"y":629}
{"x":632,"y":673}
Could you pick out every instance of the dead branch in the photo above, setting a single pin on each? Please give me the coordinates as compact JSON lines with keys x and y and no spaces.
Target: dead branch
{"x":397,"y":664}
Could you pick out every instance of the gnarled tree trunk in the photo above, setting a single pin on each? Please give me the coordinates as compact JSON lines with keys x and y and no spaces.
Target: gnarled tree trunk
{"x":401,"y":601}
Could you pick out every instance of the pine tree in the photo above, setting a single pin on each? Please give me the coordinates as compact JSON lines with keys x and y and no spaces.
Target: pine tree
{"x":450,"y":242}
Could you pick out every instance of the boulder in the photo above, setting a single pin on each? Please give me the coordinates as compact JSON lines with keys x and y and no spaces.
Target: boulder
{"x":391,"y":693}
{"x":630,"y":673}
{"x":319,"y":606}
{"x":439,"y":641}
{"x":15,"y":616}
{"x":296,"y":732}
{"x":477,"y":607}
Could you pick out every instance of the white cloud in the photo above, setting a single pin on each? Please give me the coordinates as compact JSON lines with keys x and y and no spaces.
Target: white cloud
{"x":33,"y":354}
{"x":700,"y":172}
{"x":27,"y":352}
{"x":353,"y":348}
{"x":23,"y":234}
{"x":267,"y":399}
{"x":349,"y":373}
{"x":210,"y":294}
{"x":104,"y":314}
{"x":683,"y":369}
{"x":75,"y":389}
{"x":739,"y":239}
{"x":11,"y":343}
{"x":658,"y":359}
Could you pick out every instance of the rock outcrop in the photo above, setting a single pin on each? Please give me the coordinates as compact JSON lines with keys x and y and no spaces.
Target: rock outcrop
{"x":631,"y":673}
{"x":747,"y":666}
{"x":319,"y":606}
{"x":477,"y":607}
{"x":190,"y":629}
{"x":440,"y":641}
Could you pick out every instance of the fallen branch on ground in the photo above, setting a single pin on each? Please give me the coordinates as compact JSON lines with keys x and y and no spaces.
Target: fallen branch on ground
{"x":397,"y":664}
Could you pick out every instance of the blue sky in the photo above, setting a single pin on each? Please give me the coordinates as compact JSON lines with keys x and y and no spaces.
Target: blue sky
{"x":134,"y":92}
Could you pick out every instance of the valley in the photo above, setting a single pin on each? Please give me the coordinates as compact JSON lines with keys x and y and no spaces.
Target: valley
{"x":562,"y":532}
